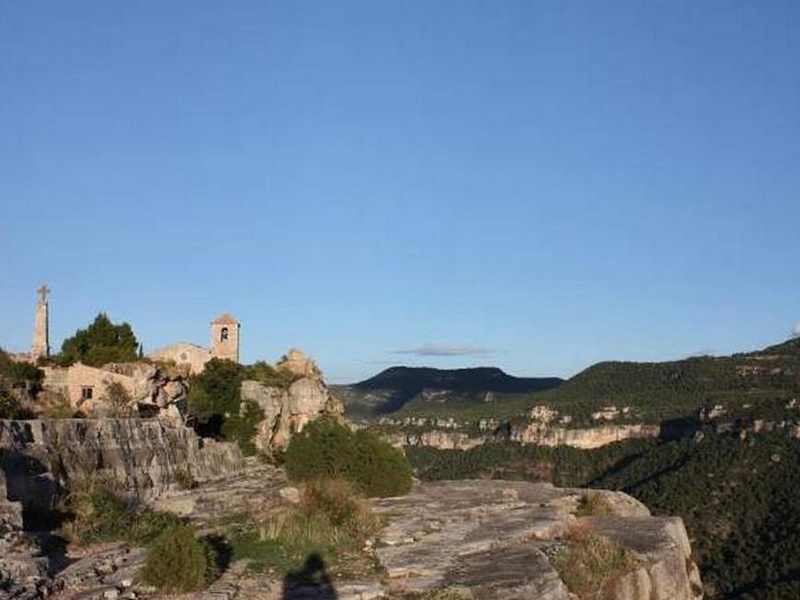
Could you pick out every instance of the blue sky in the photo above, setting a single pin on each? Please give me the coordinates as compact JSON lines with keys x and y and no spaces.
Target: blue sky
{"x":531,"y":185}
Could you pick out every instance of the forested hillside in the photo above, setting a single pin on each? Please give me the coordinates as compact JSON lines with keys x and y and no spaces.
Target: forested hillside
{"x":668,"y":390}
{"x":738,"y":497}
{"x":727,"y":461}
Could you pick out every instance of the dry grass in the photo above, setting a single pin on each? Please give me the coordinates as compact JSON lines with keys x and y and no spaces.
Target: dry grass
{"x":594,"y":504}
{"x":588,"y":563}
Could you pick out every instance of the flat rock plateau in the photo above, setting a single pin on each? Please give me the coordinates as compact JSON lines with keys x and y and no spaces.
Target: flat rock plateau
{"x":475,"y":539}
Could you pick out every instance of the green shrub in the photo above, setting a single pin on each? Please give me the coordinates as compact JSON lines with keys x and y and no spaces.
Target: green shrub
{"x":326,"y":449}
{"x":179,"y":561}
{"x":241,"y":427}
{"x":380,"y":469}
{"x":269,"y":375}
{"x":99,"y":515}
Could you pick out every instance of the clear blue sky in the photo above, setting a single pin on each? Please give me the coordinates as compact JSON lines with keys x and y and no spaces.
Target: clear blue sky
{"x":533,"y":185}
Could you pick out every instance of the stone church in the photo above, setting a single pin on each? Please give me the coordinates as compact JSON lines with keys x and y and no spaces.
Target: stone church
{"x":224,"y":344}
{"x":83,"y":386}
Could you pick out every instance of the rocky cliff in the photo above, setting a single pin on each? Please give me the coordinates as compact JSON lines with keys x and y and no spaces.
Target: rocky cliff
{"x":446,"y":434}
{"x":288,"y":410}
{"x":142,"y":457}
{"x":502,"y":540}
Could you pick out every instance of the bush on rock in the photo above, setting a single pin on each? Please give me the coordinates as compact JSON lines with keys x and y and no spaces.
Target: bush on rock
{"x":326,"y":449}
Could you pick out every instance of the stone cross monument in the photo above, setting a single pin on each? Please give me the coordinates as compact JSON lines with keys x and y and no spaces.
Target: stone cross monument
{"x":41,"y":333}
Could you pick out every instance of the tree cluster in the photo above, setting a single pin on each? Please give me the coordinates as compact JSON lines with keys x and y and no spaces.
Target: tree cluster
{"x":102,"y":342}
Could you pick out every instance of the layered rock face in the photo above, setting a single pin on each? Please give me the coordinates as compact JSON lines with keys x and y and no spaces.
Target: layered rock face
{"x":143,"y":457}
{"x":287,"y":411}
{"x":449,"y":438}
{"x":586,"y":438}
{"x":498,"y":538}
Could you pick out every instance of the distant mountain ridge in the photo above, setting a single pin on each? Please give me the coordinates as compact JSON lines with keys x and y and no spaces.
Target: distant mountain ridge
{"x":391,"y":389}
{"x":477,"y":379}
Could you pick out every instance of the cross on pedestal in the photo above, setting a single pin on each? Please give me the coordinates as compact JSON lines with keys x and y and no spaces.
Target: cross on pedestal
{"x":43,"y":291}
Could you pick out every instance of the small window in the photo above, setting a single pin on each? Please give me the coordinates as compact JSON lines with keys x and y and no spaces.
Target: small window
{"x":86,"y":392}
{"x":223,"y":335}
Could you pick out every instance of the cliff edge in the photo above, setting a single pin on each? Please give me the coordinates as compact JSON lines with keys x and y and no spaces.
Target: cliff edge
{"x":492,"y":540}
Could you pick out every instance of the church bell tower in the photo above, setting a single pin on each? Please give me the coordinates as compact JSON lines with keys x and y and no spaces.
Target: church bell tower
{"x":225,"y":337}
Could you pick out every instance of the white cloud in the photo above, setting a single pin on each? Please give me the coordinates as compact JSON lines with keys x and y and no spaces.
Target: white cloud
{"x":796,"y":330}
{"x":445,"y":350}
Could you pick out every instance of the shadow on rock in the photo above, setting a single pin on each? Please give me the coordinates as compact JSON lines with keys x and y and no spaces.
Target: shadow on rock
{"x":309,"y":583}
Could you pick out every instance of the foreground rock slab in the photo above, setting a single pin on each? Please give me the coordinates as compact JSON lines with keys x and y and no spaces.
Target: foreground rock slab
{"x":493,"y":539}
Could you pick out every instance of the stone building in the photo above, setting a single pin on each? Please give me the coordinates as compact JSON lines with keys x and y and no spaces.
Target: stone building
{"x":84,"y":387}
{"x":224,"y":344}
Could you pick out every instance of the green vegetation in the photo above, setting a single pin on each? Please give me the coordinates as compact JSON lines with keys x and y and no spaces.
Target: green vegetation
{"x":331,"y":521}
{"x":19,"y":382}
{"x":178,"y":561}
{"x":467,"y":406}
{"x":100,"y":343}
{"x":739,"y":501}
{"x":326,"y":449}
{"x":268,"y":375}
{"x":562,"y":465}
{"x":418,"y":391}
{"x":758,"y":381}
{"x":215,"y":403}
{"x":736,"y":496}
{"x":588,"y":562}
{"x":661,"y":391}
{"x":99,"y":515}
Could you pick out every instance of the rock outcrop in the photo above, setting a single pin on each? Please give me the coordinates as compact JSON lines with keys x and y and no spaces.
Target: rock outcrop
{"x":584,"y":438}
{"x":22,"y":566}
{"x":497,"y":539}
{"x":288,"y":410}
{"x":143,"y":457}
{"x":298,"y":364}
{"x":119,"y":390}
{"x":448,"y":434}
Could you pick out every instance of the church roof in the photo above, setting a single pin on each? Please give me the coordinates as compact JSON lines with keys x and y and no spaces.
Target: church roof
{"x":225,"y":319}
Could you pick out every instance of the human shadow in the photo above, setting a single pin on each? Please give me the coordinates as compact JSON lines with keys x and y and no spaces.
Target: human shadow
{"x":309,"y":583}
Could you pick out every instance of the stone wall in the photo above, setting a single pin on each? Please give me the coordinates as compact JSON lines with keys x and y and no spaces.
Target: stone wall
{"x":142,"y":457}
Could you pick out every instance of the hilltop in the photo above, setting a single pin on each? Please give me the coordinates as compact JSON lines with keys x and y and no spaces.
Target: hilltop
{"x":411,"y":388}
{"x":758,"y":382}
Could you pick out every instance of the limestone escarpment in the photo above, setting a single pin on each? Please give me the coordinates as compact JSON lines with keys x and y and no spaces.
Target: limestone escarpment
{"x":584,"y":438}
{"x":446,"y":434}
{"x":496,"y":538}
{"x":143,"y":457}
